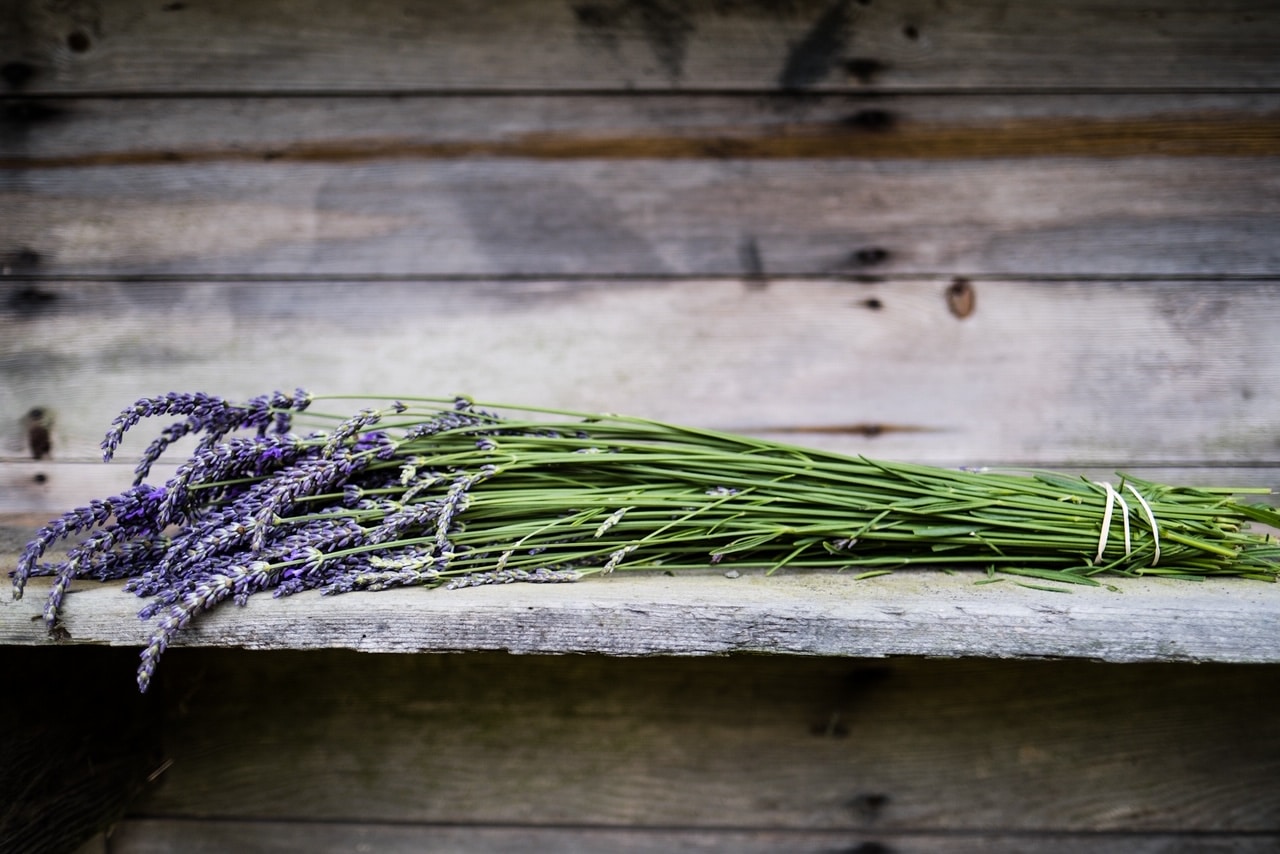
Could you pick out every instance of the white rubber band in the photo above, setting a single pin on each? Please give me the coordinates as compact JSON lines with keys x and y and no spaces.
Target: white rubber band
{"x":1113,"y":498}
{"x":1106,"y":518}
{"x":1151,"y":517}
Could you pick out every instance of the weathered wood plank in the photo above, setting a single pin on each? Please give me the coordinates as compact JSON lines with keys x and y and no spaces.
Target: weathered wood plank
{"x":85,"y":132}
{"x":160,"y":836}
{"x":917,"y":612}
{"x":1113,"y":374}
{"x":515,"y":217}
{"x":744,"y":742}
{"x":76,"y":744}
{"x":284,"y":45}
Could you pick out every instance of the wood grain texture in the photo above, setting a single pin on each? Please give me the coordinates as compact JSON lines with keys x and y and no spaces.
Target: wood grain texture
{"x":500,"y":217}
{"x":160,"y":836}
{"x":919,"y":613}
{"x":44,"y":133}
{"x":285,"y":45}
{"x":77,"y":745}
{"x":745,"y":742}
{"x":662,"y":185}
{"x":1109,"y":374}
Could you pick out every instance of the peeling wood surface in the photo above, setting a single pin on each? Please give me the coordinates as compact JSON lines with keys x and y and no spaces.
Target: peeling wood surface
{"x":1113,"y":375}
{"x":919,"y":613}
{"x":246,"y":46}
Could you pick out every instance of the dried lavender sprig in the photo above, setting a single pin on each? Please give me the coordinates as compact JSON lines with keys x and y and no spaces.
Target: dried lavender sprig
{"x":100,"y":541}
{"x":205,"y":414}
{"x":237,"y":457}
{"x":126,"y":560}
{"x":353,"y":425}
{"x":541,"y":575}
{"x":202,"y":597}
{"x":135,"y":508}
{"x":307,"y":477}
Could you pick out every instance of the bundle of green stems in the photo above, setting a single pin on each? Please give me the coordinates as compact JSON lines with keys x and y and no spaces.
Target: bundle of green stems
{"x":446,"y":492}
{"x":549,"y":489}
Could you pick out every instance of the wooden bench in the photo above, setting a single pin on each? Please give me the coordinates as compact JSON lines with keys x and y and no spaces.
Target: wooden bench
{"x":1015,"y":235}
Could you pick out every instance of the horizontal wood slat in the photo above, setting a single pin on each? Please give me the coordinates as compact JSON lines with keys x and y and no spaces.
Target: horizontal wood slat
{"x":667,"y":186}
{"x":160,"y":836}
{"x":491,"y":217}
{"x":916,"y":612}
{"x":285,"y":45}
{"x":741,"y":742}
{"x":964,"y":372}
{"x":85,"y":132}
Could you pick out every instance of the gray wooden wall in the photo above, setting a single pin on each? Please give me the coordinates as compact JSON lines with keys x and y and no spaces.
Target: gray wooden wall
{"x":983,"y":233}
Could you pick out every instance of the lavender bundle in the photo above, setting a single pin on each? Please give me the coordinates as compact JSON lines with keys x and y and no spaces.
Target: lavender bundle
{"x":443,"y":492}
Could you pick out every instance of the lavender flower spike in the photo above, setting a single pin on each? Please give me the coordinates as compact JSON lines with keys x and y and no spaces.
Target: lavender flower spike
{"x":205,"y":414}
{"x":200,"y":406}
{"x":135,"y":508}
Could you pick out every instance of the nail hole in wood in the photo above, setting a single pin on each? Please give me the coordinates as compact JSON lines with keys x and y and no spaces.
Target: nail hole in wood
{"x":869,"y":805}
{"x":911,"y":32}
{"x":869,"y":848}
{"x":961,"y":299}
{"x":871,"y":120}
{"x":864,"y":69}
{"x":17,"y":73}
{"x":870,"y":256}
{"x":78,"y":42}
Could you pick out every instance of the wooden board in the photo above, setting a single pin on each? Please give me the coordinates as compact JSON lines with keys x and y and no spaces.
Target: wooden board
{"x":52,"y":133}
{"x":502,"y":186}
{"x":76,"y":745}
{"x":160,"y":836}
{"x":741,"y":742}
{"x":1114,"y":375}
{"x":285,"y":45}
{"x":489,"y":218}
{"x":921,"y":612}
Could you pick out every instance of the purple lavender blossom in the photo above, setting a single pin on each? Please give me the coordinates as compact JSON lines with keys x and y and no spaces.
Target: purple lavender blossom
{"x":202,"y":597}
{"x":377,"y":443}
{"x":352,"y":426}
{"x":201,"y":407}
{"x":239,"y":457}
{"x":79,"y":559}
{"x":126,"y":559}
{"x":444,"y":422}
{"x":134,"y":508}
{"x":407,"y":518}
{"x":205,"y":413}
{"x":307,"y":477}
{"x":541,"y":575}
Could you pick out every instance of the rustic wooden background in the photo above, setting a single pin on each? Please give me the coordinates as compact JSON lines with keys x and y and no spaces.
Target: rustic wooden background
{"x":982,"y":233}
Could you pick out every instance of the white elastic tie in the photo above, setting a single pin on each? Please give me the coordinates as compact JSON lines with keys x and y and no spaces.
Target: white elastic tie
{"x":1113,"y":498}
{"x":1151,"y":517}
